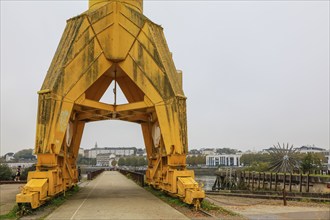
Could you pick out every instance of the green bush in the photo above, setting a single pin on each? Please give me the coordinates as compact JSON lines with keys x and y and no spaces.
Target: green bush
{"x":311,"y":162}
{"x":26,"y":171}
{"x":5,"y":172}
{"x":257,"y":166}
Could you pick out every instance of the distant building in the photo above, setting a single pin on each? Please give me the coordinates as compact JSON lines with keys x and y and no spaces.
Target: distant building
{"x":207,"y":151}
{"x":119,"y":151}
{"x":327,"y":156}
{"x":141,"y":152}
{"x":22,"y":164}
{"x":311,"y":149}
{"x":194,"y":152}
{"x":9,"y":156}
{"x":105,"y":160}
{"x":264,"y":151}
{"x":86,"y":153}
{"x":223,"y":160}
{"x":81,"y":152}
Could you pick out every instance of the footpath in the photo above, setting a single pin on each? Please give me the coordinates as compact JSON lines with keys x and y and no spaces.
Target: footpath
{"x":8,"y":197}
{"x":112,"y":196}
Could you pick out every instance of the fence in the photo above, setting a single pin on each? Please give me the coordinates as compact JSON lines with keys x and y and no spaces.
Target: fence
{"x":136,"y":176}
{"x":12,"y":182}
{"x":92,"y":174}
{"x":232,"y":179}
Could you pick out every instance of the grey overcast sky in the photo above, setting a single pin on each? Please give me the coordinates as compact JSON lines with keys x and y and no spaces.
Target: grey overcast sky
{"x":255,"y":72}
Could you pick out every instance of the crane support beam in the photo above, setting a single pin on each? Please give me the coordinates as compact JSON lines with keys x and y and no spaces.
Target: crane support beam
{"x":112,"y":42}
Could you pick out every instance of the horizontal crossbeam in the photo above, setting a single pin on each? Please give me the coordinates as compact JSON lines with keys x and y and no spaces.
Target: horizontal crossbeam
{"x":90,"y":110}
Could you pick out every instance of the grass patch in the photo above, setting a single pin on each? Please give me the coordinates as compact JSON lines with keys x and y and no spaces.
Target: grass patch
{"x":176,"y":202}
{"x":325,"y":202}
{"x":306,"y":200}
{"x":206,"y":205}
{"x":12,"y":214}
{"x":59,"y":200}
{"x":209,"y":206}
{"x":319,"y":175}
{"x":173,"y":201}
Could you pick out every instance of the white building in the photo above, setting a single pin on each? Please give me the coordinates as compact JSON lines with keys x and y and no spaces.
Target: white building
{"x":81,"y":152}
{"x":119,"y":151}
{"x":207,"y":151}
{"x":9,"y":156}
{"x":22,"y":164}
{"x":327,"y":156}
{"x":223,"y":160}
{"x":311,"y":149}
{"x":105,"y":159}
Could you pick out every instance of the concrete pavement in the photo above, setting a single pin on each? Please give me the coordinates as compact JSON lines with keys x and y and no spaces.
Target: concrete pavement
{"x":112,"y":196}
{"x":8,"y":197}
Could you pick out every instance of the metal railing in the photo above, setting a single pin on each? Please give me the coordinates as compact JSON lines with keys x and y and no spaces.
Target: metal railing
{"x":12,"y":182}
{"x":136,"y":176}
{"x":92,"y":174}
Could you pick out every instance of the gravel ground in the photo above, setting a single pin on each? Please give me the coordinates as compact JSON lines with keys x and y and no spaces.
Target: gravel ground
{"x":272,"y":209}
{"x":218,"y":214}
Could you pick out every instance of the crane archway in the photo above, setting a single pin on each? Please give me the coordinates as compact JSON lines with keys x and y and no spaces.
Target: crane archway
{"x":112,"y":42}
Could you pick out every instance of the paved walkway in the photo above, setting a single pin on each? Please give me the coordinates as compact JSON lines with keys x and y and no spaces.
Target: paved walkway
{"x":8,"y":197}
{"x":112,"y":196}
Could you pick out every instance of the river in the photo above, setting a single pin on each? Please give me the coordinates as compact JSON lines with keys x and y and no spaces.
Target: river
{"x":206,"y":181}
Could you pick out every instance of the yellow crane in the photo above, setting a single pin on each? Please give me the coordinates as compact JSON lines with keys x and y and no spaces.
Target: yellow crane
{"x":112,"y":42}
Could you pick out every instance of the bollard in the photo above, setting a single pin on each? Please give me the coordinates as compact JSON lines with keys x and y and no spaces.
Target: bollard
{"x":270,"y":181}
{"x":275,"y":181}
{"x":263,"y":181}
{"x":290,"y":183}
{"x":284,"y":197}
{"x":307,"y":184}
{"x":300,"y":182}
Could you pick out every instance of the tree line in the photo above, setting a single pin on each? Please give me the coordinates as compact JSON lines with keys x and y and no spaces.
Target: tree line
{"x":25,"y":154}
{"x":196,"y":160}
{"x":135,"y":161}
